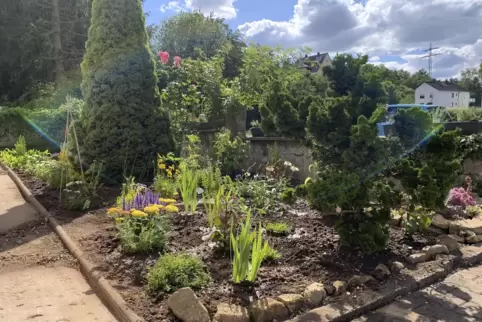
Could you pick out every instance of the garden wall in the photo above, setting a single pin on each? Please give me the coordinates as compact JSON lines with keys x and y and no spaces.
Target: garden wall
{"x":290,"y":150}
{"x":467,"y":127}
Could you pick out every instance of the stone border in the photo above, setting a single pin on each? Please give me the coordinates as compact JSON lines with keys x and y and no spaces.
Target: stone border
{"x":425,"y":274}
{"x":108,"y":295}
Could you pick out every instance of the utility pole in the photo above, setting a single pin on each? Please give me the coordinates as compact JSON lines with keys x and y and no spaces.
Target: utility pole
{"x":429,"y":56}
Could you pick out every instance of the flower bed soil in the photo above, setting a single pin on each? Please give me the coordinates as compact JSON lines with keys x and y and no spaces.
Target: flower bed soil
{"x":311,"y":252}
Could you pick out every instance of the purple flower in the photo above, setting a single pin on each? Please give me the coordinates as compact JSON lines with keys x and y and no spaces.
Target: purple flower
{"x":460,"y":197}
{"x":141,"y":200}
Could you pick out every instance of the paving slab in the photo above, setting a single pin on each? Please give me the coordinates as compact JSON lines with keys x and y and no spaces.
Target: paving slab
{"x":456,"y":299}
{"x":41,"y":294}
{"x":14,"y":210}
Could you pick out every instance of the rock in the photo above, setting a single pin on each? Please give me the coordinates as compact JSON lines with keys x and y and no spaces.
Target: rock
{"x":458,"y":238}
{"x":454,"y":228}
{"x":440,"y":221}
{"x":450,"y":242}
{"x":418,"y":258}
{"x":340,"y":287}
{"x":396,"y":266}
{"x":474,"y":224}
{"x":329,"y":289}
{"x":314,"y":294}
{"x":294,"y":302}
{"x":231,"y":313}
{"x":186,"y":306}
{"x":473,"y":239}
{"x":435,"y":249}
{"x":381,"y":271}
{"x":267,"y":310}
{"x":359,"y":280}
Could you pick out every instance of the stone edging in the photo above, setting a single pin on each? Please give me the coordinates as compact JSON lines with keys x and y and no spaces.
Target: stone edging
{"x":109,"y":296}
{"x":407,"y":281}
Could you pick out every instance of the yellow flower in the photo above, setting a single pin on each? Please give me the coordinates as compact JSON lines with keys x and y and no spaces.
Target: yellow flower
{"x":171,"y":208}
{"x":167,"y":200}
{"x":138,"y":213}
{"x":162,"y":166}
{"x":151,"y":210}
{"x":124,"y":213}
{"x":160,"y":207}
{"x":119,"y":220}
{"x":114,"y":211}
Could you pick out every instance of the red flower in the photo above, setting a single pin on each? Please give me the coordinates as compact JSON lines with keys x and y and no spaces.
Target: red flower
{"x":163,"y":56}
{"x":177,"y":61}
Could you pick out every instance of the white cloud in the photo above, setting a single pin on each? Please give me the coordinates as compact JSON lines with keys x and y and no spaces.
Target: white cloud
{"x":382,"y":27}
{"x":172,"y":6}
{"x":220,"y":8}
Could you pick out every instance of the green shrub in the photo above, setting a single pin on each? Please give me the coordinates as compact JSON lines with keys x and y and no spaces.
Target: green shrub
{"x":288,"y":196}
{"x":366,"y":231}
{"x":278,"y":227}
{"x":230,"y":153}
{"x":122,"y":124}
{"x":142,"y":234}
{"x":302,"y":190}
{"x":172,"y":272}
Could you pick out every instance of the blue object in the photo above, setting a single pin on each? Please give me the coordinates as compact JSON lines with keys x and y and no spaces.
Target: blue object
{"x":392,"y":110}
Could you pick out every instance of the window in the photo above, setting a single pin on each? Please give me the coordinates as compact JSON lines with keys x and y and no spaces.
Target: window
{"x":453,"y":94}
{"x":452,"y":104}
{"x":422,"y":96}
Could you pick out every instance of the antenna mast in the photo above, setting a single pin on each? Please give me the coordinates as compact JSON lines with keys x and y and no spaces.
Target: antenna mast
{"x":429,"y":56}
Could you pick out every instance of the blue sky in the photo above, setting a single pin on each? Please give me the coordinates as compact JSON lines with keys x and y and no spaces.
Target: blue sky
{"x":391,"y":32}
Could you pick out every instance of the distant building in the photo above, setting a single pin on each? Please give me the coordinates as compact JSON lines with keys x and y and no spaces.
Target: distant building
{"x":442,"y":94}
{"x":316,"y":63}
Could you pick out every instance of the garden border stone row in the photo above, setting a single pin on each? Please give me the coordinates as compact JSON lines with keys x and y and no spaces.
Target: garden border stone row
{"x":107,"y":294}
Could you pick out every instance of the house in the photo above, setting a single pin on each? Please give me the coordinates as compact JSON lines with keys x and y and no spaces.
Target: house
{"x":316,"y":63}
{"x":442,"y":94}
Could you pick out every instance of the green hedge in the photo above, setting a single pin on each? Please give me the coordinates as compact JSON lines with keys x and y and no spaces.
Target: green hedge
{"x":43,"y":129}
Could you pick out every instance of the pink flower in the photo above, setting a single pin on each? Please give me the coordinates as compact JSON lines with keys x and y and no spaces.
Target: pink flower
{"x":163,"y":56}
{"x":177,"y":61}
{"x":460,"y":197}
{"x":338,"y":210}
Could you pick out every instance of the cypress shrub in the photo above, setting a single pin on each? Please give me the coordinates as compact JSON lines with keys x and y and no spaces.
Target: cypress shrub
{"x":122,"y":124}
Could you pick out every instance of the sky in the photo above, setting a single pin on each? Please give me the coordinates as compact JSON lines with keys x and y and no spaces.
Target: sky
{"x":392,"y":32}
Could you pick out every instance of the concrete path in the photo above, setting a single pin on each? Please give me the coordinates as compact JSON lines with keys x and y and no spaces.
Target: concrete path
{"x":14,"y":210}
{"x":456,"y":299}
{"x":39,"y":279}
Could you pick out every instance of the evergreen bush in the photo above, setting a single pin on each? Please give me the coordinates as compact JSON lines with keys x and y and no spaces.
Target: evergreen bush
{"x":121,"y":125}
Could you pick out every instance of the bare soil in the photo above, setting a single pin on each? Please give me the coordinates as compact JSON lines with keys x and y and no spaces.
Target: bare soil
{"x":311,"y":252}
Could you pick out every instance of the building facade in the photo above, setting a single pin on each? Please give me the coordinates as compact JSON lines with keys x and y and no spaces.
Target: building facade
{"x":441,"y":94}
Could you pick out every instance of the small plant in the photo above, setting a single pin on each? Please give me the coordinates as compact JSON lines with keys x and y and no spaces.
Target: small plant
{"x":175,"y":271}
{"x":188,"y":186}
{"x":278,"y":228}
{"x":244,"y":243}
{"x":272,"y":254}
{"x":20,"y":146}
{"x":418,"y":220}
{"x":166,"y":175}
{"x":142,"y":231}
{"x":75,"y":196}
{"x":460,"y":197}
{"x":128,"y":191}
{"x":288,"y":196}
{"x":473,"y":211}
{"x":229,"y":152}
{"x":301,"y":190}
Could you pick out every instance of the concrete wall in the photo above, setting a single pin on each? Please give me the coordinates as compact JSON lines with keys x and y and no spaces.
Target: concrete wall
{"x":290,"y":150}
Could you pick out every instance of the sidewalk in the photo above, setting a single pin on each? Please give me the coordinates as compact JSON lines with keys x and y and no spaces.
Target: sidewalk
{"x":456,"y":299}
{"x":39,"y":278}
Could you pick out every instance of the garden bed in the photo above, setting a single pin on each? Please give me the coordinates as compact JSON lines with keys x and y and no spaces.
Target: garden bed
{"x":310,"y":252}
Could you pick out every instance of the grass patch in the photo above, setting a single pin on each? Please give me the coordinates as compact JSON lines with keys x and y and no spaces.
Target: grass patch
{"x":278,"y":228}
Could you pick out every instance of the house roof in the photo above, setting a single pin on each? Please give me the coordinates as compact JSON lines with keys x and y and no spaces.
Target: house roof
{"x":451,"y":87}
{"x":318,"y":57}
